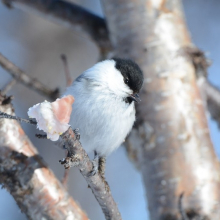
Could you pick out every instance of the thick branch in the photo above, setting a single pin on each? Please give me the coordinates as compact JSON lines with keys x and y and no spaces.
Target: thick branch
{"x":78,"y":157}
{"x":171,"y":142}
{"x":26,"y":80}
{"x":71,"y":14}
{"x":26,"y":176}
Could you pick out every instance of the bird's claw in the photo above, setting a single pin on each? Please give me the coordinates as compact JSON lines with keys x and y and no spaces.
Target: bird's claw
{"x":94,"y":168}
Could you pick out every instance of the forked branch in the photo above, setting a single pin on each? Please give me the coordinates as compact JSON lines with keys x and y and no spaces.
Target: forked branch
{"x":20,"y":76}
{"x":78,"y":157}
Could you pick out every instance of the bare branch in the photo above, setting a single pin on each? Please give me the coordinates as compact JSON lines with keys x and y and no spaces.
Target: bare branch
{"x":210,"y":94}
{"x":9,"y":86}
{"x":28,"y":121}
{"x":65,"y":178}
{"x":26,"y":80}
{"x":78,"y":157}
{"x":71,"y":14}
{"x":69,"y":79}
{"x":26,"y":176}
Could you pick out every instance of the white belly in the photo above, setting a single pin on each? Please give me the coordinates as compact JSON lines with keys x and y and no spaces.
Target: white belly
{"x":103,"y":122}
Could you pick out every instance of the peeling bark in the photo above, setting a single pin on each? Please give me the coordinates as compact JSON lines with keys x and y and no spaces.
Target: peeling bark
{"x":26,"y":176}
{"x":171,"y":143}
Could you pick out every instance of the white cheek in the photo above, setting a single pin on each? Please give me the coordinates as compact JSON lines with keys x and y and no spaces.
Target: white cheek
{"x":117,"y":85}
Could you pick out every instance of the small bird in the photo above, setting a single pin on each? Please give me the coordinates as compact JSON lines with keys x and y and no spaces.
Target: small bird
{"x":104,"y":110}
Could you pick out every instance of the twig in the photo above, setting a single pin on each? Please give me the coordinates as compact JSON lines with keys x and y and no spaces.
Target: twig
{"x":9,"y":86}
{"x":212,"y":96}
{"x":69,"y":79}
{"x":26,"y":176}
{"x":68,"y":13}
{"x":26,"y":80}
{"x":28,"y":121}
{"x":41,"y":136}
{"x":78,"y":157}
{"x":180,"y":206}
{"x":65,"y":178}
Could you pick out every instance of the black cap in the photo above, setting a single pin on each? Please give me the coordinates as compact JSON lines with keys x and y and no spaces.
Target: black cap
{"x":131,"y":72}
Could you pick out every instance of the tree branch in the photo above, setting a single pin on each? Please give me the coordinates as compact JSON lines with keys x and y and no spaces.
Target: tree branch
{"x":68,"y":77}
{"x":26,"y":80}
{"x":210,"y":94}
{"x":26,"y":176}
{"x":171,"y":132}
{"x":9,"y":86}
{"x":78,"y":157}
{"x":71,"y":14}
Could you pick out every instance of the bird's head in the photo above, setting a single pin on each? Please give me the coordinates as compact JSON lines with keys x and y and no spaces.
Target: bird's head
{"x":123,"y":77}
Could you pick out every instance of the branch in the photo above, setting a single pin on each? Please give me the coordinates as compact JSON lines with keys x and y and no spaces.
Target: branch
{"x":26,"y":80}
{"x":71,"y":14}
{"x":212,"y":96}
{"x":78,"y":157}
{"x":28,"y":179}
{"x":171,"y":128}
{"x":68,"y":77}
{"x":9,"y":86}
{"x":209,"y":93}
{"x":29,"y":121}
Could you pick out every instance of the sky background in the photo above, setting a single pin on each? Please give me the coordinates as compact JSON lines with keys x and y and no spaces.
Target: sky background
{"x":35,"y":44}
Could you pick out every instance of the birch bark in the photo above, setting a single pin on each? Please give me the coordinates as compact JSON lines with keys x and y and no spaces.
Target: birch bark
{"x":171,"y":143}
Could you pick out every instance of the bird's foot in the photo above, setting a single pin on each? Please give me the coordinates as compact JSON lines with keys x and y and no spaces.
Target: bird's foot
{"x":95,"y":167}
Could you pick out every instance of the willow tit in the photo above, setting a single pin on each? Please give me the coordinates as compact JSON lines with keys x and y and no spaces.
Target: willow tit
{"x":104,"y":109}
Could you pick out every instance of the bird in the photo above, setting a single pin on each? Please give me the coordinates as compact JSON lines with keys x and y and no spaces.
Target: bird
{"x":104,"y":106}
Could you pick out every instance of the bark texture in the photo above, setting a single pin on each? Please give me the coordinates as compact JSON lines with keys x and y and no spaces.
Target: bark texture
{"x":26,"y":176}
{"x":171,"y":143}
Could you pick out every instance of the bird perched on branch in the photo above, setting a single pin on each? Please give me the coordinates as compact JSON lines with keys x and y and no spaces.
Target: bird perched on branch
{"x":104,"y":109}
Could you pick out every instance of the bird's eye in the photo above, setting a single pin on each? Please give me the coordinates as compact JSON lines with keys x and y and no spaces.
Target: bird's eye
{"x":126,"y":81}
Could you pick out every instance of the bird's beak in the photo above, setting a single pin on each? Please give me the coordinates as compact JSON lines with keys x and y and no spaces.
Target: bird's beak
{"x":135,"y":97}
